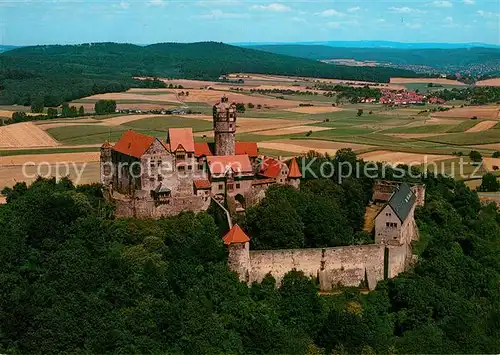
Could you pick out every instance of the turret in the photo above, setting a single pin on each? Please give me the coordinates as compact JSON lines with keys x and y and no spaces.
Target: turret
{"x":294,"y":174}
{"x":106,"y":164}
{"x":238,"y":245}
{"x":224,"y":117}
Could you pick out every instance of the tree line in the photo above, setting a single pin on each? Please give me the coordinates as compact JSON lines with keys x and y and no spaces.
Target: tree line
{"x":57,"y":74}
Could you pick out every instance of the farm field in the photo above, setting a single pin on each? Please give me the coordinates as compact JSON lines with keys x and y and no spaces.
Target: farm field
{"x":441,"y":81}
{"x":281,"y":127}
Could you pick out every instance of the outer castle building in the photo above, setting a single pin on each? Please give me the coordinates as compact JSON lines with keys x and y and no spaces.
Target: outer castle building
{"x":357,"y":265}
{"x":148,"y":177}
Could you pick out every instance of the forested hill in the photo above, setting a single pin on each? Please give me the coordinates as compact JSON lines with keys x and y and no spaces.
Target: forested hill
{"x":62,"y":73}
{"x":436,"y":58}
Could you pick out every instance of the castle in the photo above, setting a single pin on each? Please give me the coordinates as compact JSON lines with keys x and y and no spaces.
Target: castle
{"x":149,"y":177}
{"x":358,"y":265}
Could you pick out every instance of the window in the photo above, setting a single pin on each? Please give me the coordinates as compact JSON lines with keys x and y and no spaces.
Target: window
{"x":180,"y":156}
{"x":200,"y":166}
{"x":238,"y":185}
{"x":160,"y":178}
{"x":221,"y":187}
{"x":190,"y":167}
{"x":190,"y":155}
{"x":159,"y":162}
{"x":181,"y":168}
{"x":230,"y":187}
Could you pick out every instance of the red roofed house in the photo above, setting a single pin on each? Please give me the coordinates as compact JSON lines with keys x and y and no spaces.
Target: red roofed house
{"x":148,"y":177}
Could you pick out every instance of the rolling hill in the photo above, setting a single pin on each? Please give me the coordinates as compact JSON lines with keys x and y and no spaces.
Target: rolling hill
{"x":56,"y":74}
{"x":435,"y":58}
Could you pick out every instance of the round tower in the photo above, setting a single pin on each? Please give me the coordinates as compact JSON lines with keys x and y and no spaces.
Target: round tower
{"x":106,"y":164}
{"x":224,"y":116}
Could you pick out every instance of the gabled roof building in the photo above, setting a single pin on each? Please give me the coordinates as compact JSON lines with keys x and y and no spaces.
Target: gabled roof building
{"x":154,"y":177}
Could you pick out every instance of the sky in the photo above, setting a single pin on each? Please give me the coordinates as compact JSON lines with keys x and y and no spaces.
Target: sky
{"x":31,"y":22}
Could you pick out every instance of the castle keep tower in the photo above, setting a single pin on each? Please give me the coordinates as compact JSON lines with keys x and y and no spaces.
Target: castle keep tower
{"x":224,"y":115}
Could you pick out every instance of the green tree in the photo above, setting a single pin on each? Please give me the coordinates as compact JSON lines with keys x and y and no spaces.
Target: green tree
{"x":475,"y":156}
{"x":489,"y":183}
{"x":360,"y":112}
{"x":37,"y":106}
{"x":104,"y":107}
{"x":81,"y":111}
{"x":52,"y":112}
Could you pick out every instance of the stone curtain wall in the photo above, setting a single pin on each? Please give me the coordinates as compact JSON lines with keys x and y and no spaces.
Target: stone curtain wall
{"x":128,"y":207}
{"x":346,"y":266}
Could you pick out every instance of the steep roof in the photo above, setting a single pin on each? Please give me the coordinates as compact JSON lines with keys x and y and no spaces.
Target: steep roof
{"x":294,"y":172}
{"x":202,"y":184}
{"x":181,"y":137}
{"x":248,"y":148}
{"x":270,"y":168}
{"x":238,"y":163}
{"x":235,"y":235}
{"x":133,"y":144}
{"x":106,"y":145}
{"x":201,"y":149}
{"x":402,"y":201}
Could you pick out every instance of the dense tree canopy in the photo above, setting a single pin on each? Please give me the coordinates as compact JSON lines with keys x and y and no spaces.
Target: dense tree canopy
{"x":76,"y":280}
{"x":52,"y":75}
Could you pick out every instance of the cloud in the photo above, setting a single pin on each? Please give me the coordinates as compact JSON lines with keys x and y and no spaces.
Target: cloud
{"x":438,"y":3}
{"x":122,"y":5}
{"x":405,"y":10}
{"x":218,"y":3}
{"x":413,"y":26}
{"x":156,"y":3}
{"x":353,"y":9}
{"x":330,"y":13}
{"x":469,"y":2}
{"x":274,"y":7}
{"x":298,"y":19}
{"x":381,"y":20}
{"x":334,"y":24}
{"x":488,"y":14}
{"x":449,"y":23}
{"x":219,"y":14}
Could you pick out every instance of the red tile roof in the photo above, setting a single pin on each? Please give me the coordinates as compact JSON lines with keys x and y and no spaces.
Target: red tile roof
{"x":202,"y":184}
{"x":201,"y":149}
{"x":294,"y":172}
{"x":134,"y":144}
{"x":270,"y":168}
{"x":238,"y":163}
{"x":235,"y":235}
{"x":248,"y":148}
{"x":181,"y":137}
{"x":263,"y":181}
{"x":106,"y":145}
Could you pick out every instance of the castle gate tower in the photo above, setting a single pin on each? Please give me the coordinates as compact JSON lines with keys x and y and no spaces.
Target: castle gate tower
{"x":224,"y":127}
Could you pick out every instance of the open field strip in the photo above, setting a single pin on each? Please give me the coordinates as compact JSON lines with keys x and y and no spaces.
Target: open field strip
{"x":247,"y":125}
{"x":401,"y":158}
{"x":494,"y":146}
{"x":302,"y":147}
{"x":55,"y":150}
{"x":482,"y":126}
{"x":489,"y":163}
{"x":291,"y":130}
{"x":170,"y":97}
{"x":315,"y":109}
{"x":472,"y":138}
{"x":24,"y":134}
{"x":79,"y":173}
{"x":486,"y":112}
{"x":489,"y":82}
{"x":50,"y":158}
{"x":426,"y":81}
